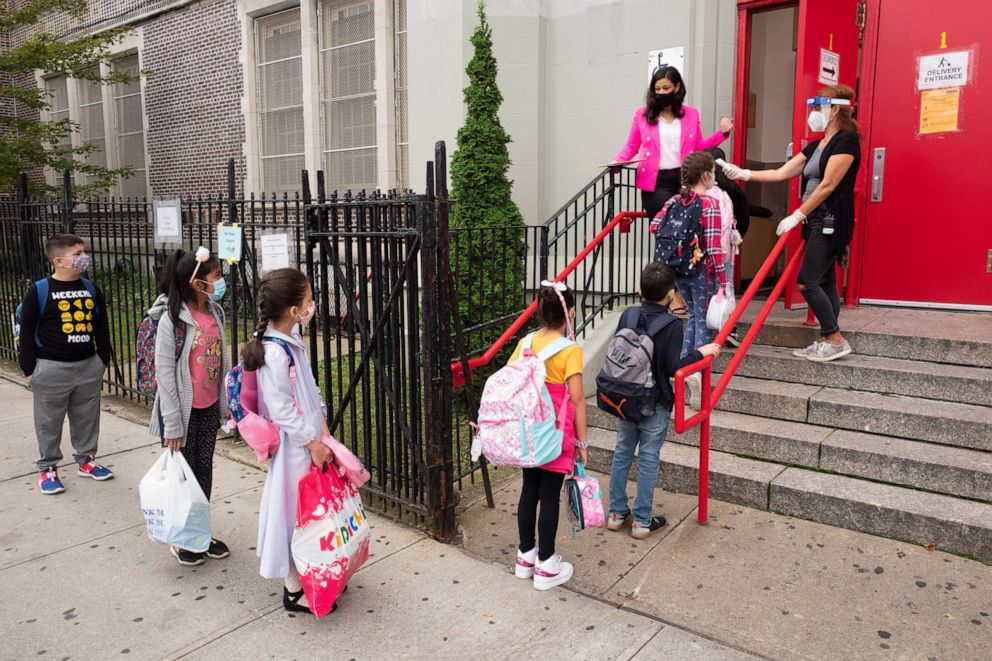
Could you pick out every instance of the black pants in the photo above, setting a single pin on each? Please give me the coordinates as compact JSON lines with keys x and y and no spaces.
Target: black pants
{"x":544,"y":487}
{"x":201,"y":437}
{"x":668,"y":185}
{"x":818,"y":278}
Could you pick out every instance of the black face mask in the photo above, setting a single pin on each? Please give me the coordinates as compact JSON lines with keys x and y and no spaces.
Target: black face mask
{"x":664,"y":100}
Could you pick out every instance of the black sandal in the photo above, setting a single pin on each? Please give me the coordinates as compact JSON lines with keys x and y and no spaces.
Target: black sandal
{"x":290,"y":601}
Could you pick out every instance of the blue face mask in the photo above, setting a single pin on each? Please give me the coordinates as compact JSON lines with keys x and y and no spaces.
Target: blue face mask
{"x":220,"y":288}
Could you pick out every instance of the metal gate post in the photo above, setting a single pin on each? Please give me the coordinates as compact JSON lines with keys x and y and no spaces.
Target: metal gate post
{"x":433,"y":228}
{"x":68,"y":224}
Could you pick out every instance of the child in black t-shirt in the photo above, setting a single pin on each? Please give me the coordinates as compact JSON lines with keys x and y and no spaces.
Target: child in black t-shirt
{"x":64,"y":348}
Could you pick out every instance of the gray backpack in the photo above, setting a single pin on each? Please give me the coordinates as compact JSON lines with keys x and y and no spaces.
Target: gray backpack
{"x":625,"y":386}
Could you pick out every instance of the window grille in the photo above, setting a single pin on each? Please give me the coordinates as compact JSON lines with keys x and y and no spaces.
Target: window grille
{"x":402,"y":107}
{"x":130,"y":116}
{"x":279,"y":68}
{"x":91,"y":122}
{"x":347,"y":91}
{"x":58,"y":97}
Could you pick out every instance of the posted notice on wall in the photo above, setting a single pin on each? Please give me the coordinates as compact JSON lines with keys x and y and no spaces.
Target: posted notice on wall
{"x":829,"y":67}
{"x":939,"y":110}
{"x":275,"y":251}
{"x":167,"y":223}
{"x":667,"y":57}
{"x":229,"y":242}
{"x":943,"y":70}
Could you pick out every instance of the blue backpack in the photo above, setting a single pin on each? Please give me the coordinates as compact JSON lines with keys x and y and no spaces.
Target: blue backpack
{"x":680,"y":237}
{"x":41,"y":288}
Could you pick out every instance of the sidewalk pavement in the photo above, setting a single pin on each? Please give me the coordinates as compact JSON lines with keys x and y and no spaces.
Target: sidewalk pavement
{"x":771,"y":585}
{"x":82,"y":581}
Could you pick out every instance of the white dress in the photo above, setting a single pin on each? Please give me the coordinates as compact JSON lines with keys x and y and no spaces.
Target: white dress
{"x":277,"y":514}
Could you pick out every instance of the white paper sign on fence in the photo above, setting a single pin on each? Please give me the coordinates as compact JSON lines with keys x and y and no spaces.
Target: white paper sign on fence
{"x":275,"y":251}
{"x":167,"y":221}
{"x":229,"y":242}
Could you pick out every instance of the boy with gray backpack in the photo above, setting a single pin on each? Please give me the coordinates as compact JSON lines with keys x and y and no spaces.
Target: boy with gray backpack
{"x":634,"y":385}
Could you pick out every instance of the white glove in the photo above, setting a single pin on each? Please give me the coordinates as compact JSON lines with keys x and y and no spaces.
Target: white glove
{"x":735,"y":172}
{"x":789,"y":222}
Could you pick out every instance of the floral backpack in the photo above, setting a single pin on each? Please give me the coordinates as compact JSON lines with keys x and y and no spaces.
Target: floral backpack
{"x":144,"y":342}
{"x":517,"y":424}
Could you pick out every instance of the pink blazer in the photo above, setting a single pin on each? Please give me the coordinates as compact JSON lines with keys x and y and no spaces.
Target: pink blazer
{"x":644,"y":138}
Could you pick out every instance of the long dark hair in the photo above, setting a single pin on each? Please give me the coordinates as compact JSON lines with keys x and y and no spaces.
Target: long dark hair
{"x":672,"y":75}
{"x":733,"y":191}
{"x":175,"y":283}
{"x":549,"y":308}
{"x":694,"y":168}
{"x":279,"y":290}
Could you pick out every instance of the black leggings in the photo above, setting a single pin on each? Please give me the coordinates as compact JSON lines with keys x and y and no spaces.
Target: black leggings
{"x":666,"y":187}
{"x":544,"y":487}
{"x":818,"y":278}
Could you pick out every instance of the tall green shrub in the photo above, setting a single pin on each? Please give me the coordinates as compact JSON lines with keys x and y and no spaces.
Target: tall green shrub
{"x":489,"y":247}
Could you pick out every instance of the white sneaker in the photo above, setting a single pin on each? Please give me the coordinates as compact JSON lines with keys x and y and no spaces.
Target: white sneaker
{"x":525,"y":563}
{"x":551,"y":572}
{"x":808,"y":351}
{"x":828,"y":351}
{"x":616,"y":521}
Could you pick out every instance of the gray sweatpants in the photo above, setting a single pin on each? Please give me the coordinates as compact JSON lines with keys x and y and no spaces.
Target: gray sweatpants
{"x":61,"y":388}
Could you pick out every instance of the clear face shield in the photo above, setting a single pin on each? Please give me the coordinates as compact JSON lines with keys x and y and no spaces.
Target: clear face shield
{"x":818,"y":109}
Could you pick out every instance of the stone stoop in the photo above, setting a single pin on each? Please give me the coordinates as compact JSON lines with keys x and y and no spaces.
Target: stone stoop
{"x":895,"y":440}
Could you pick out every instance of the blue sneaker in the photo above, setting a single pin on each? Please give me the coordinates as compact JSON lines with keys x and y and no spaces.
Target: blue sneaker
{"x":94,"y":470}
{"x":50,"y":483}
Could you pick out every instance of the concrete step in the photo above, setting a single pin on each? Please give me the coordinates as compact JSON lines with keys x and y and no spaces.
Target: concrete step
{"x":939,"y":468}
{"x":954,"y":383}
{"x":923,"y":465}
{"x":951,"y":524}
{"x":771,"y":399}
{"x":733,"y":479}
{"x":746,"y":435}
{"x":948,"y":423}
{"x":954,"y":338}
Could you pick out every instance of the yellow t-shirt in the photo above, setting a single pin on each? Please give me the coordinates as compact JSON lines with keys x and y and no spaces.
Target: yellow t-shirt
{"x":559,"y":367}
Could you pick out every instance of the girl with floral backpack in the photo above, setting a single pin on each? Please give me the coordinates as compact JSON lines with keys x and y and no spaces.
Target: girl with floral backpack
{"x":542,"y":485}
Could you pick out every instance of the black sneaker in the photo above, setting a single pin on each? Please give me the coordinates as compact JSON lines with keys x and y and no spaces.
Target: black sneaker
{"x":187,"y":558}
{"x":735,"y":338}
{"x":217,"y":550}
{"x":640,"y":530}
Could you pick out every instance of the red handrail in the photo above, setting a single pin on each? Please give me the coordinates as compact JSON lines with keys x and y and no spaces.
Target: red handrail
{"x":623,"y":218}
{"x":709,"y":398}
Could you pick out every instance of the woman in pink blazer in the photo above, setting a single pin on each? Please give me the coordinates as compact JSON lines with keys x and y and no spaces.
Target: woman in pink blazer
{"x":664,"y":131}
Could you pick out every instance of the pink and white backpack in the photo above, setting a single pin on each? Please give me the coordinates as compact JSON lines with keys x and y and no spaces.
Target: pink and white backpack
{"x":517,"y":424}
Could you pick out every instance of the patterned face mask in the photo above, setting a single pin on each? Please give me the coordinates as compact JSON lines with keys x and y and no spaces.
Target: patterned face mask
{"x":80,"y":262}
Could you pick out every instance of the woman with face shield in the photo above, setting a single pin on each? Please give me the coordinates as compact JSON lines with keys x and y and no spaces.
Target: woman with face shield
{"x":828,"y":168}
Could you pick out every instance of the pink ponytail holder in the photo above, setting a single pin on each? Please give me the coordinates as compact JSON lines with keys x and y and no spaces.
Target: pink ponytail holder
{"x":560,"y":287}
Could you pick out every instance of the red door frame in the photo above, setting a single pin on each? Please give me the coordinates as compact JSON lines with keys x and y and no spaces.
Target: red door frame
{"x":864,"y":109}
{"x":866,"y":82}
{"x":745,"y":9}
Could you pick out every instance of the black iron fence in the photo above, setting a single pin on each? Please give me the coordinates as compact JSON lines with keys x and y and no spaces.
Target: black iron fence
{"x":389,"y":316}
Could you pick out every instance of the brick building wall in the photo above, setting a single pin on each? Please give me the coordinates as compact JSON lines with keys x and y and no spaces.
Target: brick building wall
{"x":193,"y":98}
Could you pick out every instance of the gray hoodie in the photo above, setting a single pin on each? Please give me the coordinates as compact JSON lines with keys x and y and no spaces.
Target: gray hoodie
{"x":174,"y":397}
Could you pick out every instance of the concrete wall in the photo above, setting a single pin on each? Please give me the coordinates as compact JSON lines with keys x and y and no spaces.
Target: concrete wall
{"x":571,"y":73}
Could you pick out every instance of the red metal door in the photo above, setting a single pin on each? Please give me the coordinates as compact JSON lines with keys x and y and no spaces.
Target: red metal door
{"x":826,"y":53}
{"x":928,"y":238}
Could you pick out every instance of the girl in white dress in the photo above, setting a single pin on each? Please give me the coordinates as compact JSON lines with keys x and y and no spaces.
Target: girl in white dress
{"x":285,"y":300}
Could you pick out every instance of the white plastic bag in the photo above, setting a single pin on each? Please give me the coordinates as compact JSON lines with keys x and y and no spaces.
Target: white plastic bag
{"x":720,"y":308}
{"x":175,"y":508}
